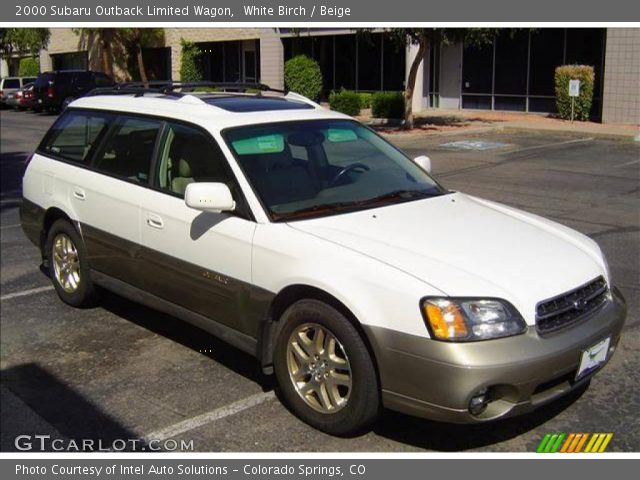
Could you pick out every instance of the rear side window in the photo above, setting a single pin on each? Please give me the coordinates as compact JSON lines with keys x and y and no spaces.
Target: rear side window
{"x":43,"y":80}
{"x":102,"y":80}
{"x":128,"y":151}
{"x":73,"y":136}
{"x":82,"y":78}
{"x":28,"y":80}
{"x":11,"y":83}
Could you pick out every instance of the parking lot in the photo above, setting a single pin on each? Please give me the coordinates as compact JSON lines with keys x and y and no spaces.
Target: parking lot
{"x":121,"y":370}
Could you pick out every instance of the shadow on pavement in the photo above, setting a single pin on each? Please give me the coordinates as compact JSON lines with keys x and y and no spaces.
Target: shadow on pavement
{"x":11,"y":172}
{"x":35,"y":402}
{"x":187,"y":335}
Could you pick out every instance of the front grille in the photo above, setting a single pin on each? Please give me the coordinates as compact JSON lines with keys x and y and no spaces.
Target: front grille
{"x":568,"y":308}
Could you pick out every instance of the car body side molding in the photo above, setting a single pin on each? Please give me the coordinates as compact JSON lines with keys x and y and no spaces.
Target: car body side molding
{"x":239,"y":340}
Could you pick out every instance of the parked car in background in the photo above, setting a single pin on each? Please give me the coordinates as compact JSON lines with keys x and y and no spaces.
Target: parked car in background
{"x":9,"y":85}
{"x":21,"y":99}
{"x":55,"y":90}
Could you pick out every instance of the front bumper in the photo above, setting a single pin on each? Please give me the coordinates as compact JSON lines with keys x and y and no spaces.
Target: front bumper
{"x":437,"y":380}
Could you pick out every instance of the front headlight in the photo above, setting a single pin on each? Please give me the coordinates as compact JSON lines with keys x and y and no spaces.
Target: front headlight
{"x":471,"y":319}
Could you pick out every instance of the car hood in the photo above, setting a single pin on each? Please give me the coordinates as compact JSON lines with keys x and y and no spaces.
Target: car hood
{"x":465,"y":246}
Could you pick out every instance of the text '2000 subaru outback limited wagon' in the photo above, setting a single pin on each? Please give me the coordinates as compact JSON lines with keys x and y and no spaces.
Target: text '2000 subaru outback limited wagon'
{"x":302,"y":237}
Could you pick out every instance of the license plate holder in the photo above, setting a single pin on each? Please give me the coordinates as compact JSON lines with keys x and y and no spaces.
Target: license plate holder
{"x":593,"y":358}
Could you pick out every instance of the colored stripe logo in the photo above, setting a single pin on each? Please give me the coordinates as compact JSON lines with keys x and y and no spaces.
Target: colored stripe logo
{"x":574,"y":443}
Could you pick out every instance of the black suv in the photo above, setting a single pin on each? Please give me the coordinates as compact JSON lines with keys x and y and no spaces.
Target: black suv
{"x":55,"y":90}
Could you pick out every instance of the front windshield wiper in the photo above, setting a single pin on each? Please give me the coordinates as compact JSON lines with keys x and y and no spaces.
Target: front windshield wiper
{"x":402,"y":194}
{"x":338,"y":206}
{"x":322,"y":207}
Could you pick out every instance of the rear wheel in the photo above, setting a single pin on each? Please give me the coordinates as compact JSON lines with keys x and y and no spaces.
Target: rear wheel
{"x":68,"y":265}
{"x":324,"y":369}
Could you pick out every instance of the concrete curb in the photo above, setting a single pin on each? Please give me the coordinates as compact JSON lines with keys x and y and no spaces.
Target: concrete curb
{"x":517,"y":126}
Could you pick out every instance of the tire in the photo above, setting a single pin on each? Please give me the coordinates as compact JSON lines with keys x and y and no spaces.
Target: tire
{"x":347,"y":411}
{"x":69,"y":273}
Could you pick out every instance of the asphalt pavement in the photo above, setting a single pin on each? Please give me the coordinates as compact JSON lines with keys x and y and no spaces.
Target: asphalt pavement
{"x":121,"y":370}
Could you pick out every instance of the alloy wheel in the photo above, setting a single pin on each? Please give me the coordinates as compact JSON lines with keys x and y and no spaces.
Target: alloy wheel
{"x":319,"y":368}
{"x":66,"y":264}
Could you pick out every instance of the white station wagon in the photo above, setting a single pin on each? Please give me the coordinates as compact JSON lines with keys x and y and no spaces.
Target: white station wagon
{"x":302,"y":237}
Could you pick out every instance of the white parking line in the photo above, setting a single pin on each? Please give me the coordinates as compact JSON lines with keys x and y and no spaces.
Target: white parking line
{"x":15,"y":225}
{"x":209,"y":417}
{"x":556,"y":144}
{"x":625,"y":164}
{"x":24,"y":293}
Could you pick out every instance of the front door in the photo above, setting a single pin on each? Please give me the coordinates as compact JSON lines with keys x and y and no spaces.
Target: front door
{"x":198,"y":260}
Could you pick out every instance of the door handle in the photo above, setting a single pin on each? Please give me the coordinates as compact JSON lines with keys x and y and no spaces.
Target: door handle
{"x":79,"y":193}
{"x":155,"y":221}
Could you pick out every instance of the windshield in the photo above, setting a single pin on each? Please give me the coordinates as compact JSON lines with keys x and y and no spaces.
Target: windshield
{"x":311,"y":168}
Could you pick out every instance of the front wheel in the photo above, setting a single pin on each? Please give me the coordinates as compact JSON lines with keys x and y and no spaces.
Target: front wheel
{"x":324,"y":369}
{"x":68,"y":267}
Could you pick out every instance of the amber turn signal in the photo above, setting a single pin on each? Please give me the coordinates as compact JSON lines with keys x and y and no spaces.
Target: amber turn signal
{"x":445,"y":319}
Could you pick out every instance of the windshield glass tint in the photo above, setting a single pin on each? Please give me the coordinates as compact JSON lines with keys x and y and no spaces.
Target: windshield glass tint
{"x":307,"y":168}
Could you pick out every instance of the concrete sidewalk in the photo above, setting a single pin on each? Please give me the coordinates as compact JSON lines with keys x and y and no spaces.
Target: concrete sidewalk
{"x":442,"y":121}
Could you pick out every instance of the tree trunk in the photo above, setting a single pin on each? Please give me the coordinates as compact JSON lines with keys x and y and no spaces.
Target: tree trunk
{"x":143,"y":73}
{"x":107,"y":52}
{"x":411,"y":83}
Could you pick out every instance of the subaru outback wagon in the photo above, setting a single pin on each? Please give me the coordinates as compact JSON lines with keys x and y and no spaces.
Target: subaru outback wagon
{"x":302,"y":237}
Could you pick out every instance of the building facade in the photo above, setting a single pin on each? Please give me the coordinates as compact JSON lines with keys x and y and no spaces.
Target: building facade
{"x":514,"y":73}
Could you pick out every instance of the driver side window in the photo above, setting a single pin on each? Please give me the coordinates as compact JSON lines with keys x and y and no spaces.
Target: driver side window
{"x":188,"y":155}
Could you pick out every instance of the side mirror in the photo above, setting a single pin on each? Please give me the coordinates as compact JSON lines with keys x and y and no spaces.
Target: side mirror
{"x":209,"y":197}
{"x":423,"y":162}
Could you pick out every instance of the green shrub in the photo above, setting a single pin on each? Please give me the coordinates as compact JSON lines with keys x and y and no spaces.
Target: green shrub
{"x":582,"y":105}
{"x":302,"y":75}
{"x":387,"y":105}
{"x":29,"y":67}
{"x":205,"y":89}
{"x":190,"y":65}
{"x":365,"y":99}
{"x":345,"y":101}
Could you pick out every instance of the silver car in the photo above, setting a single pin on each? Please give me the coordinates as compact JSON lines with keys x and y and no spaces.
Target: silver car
{"x":9,"y":85}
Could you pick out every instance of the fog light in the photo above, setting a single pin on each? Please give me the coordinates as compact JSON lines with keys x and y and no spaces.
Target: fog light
{"x":479,"y":402}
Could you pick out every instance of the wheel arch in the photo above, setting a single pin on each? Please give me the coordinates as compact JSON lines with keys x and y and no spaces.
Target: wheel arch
{"x":284,"y":299}
{"x":50,"y":217}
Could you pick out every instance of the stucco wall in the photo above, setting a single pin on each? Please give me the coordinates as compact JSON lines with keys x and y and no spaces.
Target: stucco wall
{"x":65,"y":40}
{"x":173,"y":36}
{"x":621,"y":102}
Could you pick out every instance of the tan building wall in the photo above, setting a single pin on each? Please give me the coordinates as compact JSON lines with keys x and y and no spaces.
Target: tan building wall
{"x":621,"y":102}
{"x":174,"y":35}
{"x":271,"y":59}
{"x":65,"y":40}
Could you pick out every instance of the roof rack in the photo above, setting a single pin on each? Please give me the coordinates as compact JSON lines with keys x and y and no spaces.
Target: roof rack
{"x":169,"y":88}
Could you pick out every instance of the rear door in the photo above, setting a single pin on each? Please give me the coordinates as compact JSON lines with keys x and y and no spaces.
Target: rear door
{"x":106,"y":196}
{"x":198,"y":260}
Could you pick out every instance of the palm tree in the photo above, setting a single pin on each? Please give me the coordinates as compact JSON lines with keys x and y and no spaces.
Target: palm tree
{"x":137,"y":39}
{"x":105,"y":39}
